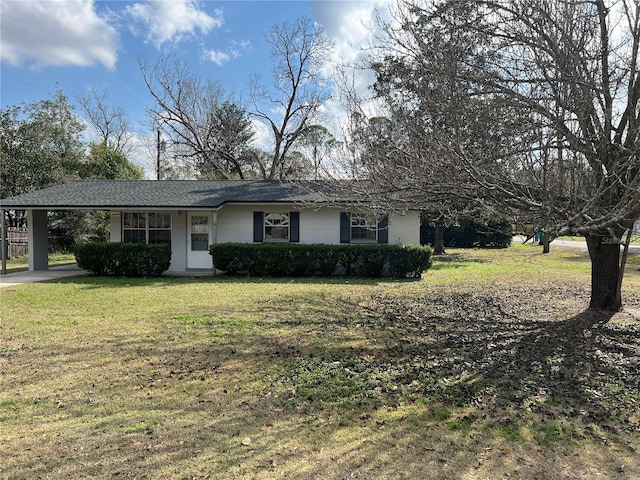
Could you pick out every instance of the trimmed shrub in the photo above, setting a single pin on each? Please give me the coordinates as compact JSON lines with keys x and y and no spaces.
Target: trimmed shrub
{"x":411,"y":261}
{"x":295,"y":260}
{"x":123,"y":259}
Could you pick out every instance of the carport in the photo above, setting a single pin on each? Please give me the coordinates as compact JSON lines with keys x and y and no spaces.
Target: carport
{"x":38,"y":239}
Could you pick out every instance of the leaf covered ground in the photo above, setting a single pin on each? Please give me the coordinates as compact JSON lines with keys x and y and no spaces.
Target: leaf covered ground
{"x":489,"y":367}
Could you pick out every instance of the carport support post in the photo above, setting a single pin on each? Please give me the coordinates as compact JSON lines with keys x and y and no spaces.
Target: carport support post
{"x":3,"y":242}
{"x":38,"y":240}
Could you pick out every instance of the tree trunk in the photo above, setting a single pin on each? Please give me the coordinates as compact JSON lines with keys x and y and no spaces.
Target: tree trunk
{"x":438,"y":241}
{"x":545,"y":243}
{"x":605,"y":268}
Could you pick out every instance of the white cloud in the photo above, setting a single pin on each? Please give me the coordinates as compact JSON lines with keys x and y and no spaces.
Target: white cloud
{"x":172,"y":20}
{"x":352,"y":27}
{"x":220,"y":57}
{"x":216,"y":56}
{"x":56,"y":33}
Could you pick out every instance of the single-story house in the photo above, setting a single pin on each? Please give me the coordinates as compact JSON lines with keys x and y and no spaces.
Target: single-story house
{"x":190,"y":215}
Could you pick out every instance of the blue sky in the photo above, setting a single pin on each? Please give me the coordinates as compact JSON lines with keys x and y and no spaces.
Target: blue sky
{"x":78,"y":45}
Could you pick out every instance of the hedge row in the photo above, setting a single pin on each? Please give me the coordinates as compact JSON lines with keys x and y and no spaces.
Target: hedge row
{"x":123,"y":259}
{"x":292,"y":260}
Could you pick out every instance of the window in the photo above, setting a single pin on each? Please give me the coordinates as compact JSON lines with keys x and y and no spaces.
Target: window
{"x":364,"y":228}
{"x":139,"y":227}
{"x":159,"y":228}
{"x":199,"y":233}
{"x":276,"y":227}
{"x":134,"y":227}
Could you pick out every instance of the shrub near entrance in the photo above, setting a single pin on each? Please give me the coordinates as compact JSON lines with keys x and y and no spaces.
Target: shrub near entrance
{"x":123,"y":259}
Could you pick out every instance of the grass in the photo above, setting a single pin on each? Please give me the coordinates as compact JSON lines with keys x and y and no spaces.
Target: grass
{"x":21,"y":264}
{"x":488,"y":367}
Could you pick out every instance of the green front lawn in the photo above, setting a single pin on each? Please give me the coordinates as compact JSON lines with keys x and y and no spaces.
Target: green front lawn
{"x":488,"y":367}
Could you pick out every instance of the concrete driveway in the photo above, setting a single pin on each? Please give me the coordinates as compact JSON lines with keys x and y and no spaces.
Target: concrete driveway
{"x":573,"y":244}
{"x":53,"y":273}
{"x":66,"y":271}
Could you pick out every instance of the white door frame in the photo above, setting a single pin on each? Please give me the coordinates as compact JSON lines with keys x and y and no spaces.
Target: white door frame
{"x":199,"y":259}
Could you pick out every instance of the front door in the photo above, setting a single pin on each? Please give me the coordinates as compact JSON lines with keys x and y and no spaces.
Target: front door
{"x":199,"y":237}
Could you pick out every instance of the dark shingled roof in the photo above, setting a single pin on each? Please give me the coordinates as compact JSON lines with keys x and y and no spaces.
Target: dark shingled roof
{"x":169,"y":194}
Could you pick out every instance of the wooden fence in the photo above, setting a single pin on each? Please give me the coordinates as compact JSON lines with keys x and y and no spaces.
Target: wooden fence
{"x":17,"y":242}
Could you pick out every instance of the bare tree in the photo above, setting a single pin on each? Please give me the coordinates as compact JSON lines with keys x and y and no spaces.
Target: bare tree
{"x":108,"y":122}
{"x":298,"y":49}
{"x":549,"y":90}
{"x":205,"y":127}
{"x":574,"y":67}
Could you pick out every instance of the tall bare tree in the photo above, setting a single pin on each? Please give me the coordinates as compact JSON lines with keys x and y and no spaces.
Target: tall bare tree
{"x":204,"y":127}
{"x":551,"y":91}
{"x":107,"y":121}
{"x":299,"y":89}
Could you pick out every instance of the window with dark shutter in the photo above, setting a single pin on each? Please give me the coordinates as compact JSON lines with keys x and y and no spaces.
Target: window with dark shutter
{"x":363,"y":228}
{"x":276,"y":227}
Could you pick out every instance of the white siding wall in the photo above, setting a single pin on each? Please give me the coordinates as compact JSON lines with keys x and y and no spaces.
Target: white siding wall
{"x":321,"y":226}
{"x":404,"y":228}
{"x":235,"y":224}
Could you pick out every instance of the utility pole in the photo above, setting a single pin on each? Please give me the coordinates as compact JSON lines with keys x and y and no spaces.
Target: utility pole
{"x":158,"y":156}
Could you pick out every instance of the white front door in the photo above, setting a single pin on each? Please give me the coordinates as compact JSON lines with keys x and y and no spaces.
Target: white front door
{"x":199,"y":237}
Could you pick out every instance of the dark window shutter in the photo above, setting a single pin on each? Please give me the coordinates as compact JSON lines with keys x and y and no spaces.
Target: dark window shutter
{"x":294,"y":226}
{"x":345,"y":228}
{"x":258,"y":226}
{"x":383,"y":230}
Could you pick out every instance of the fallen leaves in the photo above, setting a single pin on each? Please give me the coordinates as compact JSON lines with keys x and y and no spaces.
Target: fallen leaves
{"x":516,"y":346}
